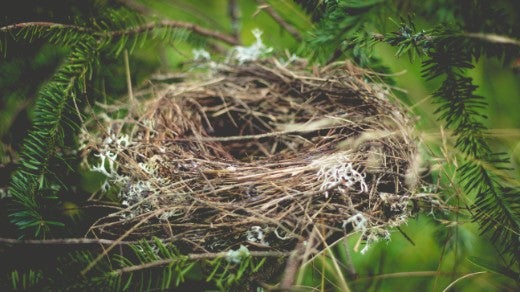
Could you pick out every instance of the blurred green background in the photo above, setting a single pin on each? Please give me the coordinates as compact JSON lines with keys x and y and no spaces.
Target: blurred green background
{"x":442,"y":242}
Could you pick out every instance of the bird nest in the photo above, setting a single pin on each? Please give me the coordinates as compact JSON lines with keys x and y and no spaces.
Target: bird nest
{"x":260,"y":154}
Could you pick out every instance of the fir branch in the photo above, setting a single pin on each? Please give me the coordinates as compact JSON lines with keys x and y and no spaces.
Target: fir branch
{"x":49,"y":28}
{"x":59,"y":34}
{"x":33,"y":182}
{"x":24,"y":281}
{"x":449,"y":53}
{"x":197,"y":257}
{"x":227,"y":268}
{"x":461,"y":109}
{"x":43,"y":24}
{"x":63,"y":241}
{"x":174,"y":24}
{"x":343,"y":32}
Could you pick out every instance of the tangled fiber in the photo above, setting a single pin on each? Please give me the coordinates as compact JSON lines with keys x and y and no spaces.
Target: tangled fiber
{"x":260,"y":154}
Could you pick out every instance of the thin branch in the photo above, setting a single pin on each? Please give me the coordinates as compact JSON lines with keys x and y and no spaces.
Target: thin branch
{"x":259,"y":136}
{"x":136,"y":6}
{"x":128,"y":78}
{"x":461,"y":278}
{"x":44,"y":24}
{"x":403,"y":275}
{"x":196,"y":257}
{"x":135,"y":30}
{"x":292,"y":267}
{"x":410,"y":240}
{"x":494,"y":38}
{"x":115,"y":243}
{"x":289,"y":28}
{"x":62,"y":241}
{"x":342,"y":282}
{"x":234,"y":15}
{"x":176,"y":24}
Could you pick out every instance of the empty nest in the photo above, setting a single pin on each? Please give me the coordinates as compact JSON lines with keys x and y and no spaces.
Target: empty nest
{"x":260,"y":154}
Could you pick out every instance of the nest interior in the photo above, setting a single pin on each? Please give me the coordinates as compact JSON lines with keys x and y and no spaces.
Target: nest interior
{"x":260,"y":154}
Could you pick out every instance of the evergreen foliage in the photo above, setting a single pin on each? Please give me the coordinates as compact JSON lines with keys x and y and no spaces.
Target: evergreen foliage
{"x":146,"y":266}
{"x":34,"y":186}
{"x":447,"y":52}
{"x":470,"y":30}
{"x":24,"y":281}
{"x":343,"y":30}
{"x":485,"y":173}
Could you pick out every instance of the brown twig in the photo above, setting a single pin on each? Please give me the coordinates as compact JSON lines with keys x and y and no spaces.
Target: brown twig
{"x":115,"y":243}
{"x":292,"y":267}
{"x":234,"y":15}
{"x":494,"y":38}
{"x":178,"y":24}
{"x":289,"y":28}
{"x":136,"y":6}
{"x":62,"y":241}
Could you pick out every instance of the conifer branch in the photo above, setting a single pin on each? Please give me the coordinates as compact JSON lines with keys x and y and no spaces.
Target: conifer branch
{"x":44,"y":24}
{"x":196,"y":257}
{"x":129,"y":31}
{"x":33,"y":182}
{"x":449,"y":53}
{"x":175,"y":24}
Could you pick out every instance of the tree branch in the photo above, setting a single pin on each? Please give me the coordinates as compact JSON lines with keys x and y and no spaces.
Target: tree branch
{"x":44,"y":24}
{"x":292,"y":267}
{"x":177,"y":24}
{"x":234,"y":15}
{"x":62,"y":241}
{"x":289,"y":28}
{"x":134,"y":30}
{"x":494,"y":38}
{"x":196,"y":257}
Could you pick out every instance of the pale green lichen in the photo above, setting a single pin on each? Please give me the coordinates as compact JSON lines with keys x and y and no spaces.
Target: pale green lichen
{"x":236,"y":256}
